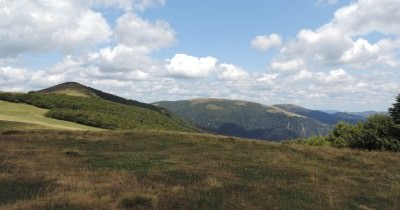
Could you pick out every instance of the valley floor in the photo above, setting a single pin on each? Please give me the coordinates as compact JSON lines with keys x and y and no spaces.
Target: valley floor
{"x":162,"y":170}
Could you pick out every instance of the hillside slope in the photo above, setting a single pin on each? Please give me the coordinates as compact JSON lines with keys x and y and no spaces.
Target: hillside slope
{"x":366,"y":113}
{"x":177,"y":171}
{"x":6,"y":125}
{"x":80,"y":104}
{"x":323,"y":117}
{"x":245,"y":119}
{"x":29,"y":116}
{"x":350,"y":118}
{"x":76,"y":89}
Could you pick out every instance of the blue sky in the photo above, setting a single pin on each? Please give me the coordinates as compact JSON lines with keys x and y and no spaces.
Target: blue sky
{"x":321,"y":54}
{"x":224,"y":28}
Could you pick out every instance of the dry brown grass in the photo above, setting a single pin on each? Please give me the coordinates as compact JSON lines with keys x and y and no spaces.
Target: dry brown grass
{"x":89,"y":170}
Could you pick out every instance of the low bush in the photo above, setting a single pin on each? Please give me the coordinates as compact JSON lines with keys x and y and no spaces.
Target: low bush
{"x":318,"y":141}
{"x":138,"y":202}
{"x":344,"y":134}
{"x":379,"y":132}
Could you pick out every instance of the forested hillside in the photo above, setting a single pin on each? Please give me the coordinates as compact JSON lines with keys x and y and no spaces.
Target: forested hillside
{"x":98,"y":112}
{"x":245,"y":119}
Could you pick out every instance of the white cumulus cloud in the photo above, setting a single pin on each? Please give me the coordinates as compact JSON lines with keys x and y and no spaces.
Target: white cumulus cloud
{"x":344,"y":40}
{"x":231,"y":72}
{"x":290,"y":65}
{"x":334,"y":65}
{"x":335,"y":76}
{"x":121,"y":58}
{"x":182,"y":65}
{"x":129,"y":5}
{"x":365,"y":16}
{"x":37,"y":26}
{"x":133,"y":31}
{"x":9,"y":74}
{"x":266,"y":42}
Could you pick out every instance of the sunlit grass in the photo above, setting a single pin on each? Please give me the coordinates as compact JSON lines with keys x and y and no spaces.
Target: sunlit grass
{"x":165,"y":170}
{"x":23,"y":113}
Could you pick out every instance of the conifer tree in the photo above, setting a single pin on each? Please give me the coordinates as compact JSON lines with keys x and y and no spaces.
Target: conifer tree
{"x":395,"y":110}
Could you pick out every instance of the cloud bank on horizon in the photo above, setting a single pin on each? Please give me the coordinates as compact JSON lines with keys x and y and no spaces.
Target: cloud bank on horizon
{"x":351,"y":62}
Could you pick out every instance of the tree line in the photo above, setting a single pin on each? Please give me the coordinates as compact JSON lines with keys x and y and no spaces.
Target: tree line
{"x":378,"y":132}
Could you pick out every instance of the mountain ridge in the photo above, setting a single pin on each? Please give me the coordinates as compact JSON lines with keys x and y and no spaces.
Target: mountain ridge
{"x":217,"y":115}
{"x":245,"y":119}
{"x":322,"y":116}
{"x":77,"y":89}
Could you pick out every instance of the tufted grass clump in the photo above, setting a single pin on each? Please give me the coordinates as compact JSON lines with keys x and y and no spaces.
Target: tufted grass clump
{"x":138,"y":202}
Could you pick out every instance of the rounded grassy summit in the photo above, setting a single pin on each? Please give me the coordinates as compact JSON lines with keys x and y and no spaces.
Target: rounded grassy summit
{"x":77,"y":103}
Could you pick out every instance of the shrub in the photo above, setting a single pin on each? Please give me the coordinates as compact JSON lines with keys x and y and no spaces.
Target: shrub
{"x":344,"y":134}
{"x":138,"y":201}
{"x":317,"y":141}
{"x":379,"y":132}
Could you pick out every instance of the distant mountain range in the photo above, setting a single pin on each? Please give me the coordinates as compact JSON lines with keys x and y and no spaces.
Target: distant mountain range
{"x":362,"y":114}
{"x":252,"y":120}
{"x":320,"y":116}
{"x":75,"y":102}
{"x":367,"y":113}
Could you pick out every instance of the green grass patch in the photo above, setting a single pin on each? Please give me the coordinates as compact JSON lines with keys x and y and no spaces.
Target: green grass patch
{"x":174,"y":177}
{"x":131,"y":163}
{"x":10,"y":125}
{"x":4,"y":167}
{"x":61,"y":206}
{"x":23,"y":116}
{"x":12,"y":190}
{"x":138,"y":202}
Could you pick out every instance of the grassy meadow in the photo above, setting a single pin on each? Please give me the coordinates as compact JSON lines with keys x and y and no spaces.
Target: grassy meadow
{"x":19,"y":114}
{"x":170,"y":170}
{"x":11,"y":125}
{"x":95,"y":112}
